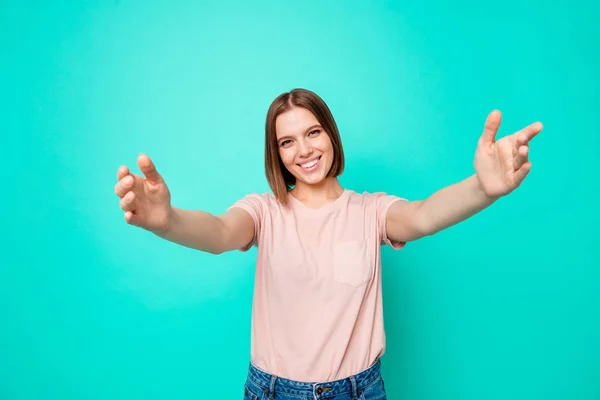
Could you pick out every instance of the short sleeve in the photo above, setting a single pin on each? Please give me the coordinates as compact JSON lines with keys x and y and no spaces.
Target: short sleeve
{"x":255,"y":205}
{"x":383,"y":203}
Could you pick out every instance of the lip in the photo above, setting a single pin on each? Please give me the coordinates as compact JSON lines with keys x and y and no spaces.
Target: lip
{"x":312,"y":169}
{"x":307,"y":161}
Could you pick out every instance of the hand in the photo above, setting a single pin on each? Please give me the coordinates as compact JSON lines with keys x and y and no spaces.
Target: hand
{"x":501,"y":166}
{"x":146,"y":202}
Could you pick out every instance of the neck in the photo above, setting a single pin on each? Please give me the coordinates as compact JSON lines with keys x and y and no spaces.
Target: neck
{"x":324,"y":192}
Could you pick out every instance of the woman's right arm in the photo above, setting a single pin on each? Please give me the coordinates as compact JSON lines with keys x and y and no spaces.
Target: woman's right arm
{"x":147,"y":204}
{"x":206,"y":232}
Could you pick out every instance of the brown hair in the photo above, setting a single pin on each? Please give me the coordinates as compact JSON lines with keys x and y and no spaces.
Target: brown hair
{"x":280,"y":179}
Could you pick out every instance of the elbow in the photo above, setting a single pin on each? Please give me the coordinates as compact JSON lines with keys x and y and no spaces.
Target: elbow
{"x":221,"y":240}
{"x":215,"y":252}
{"x":217,"y":248}
{"x":422,"y":227}
{"x":409,"y":231}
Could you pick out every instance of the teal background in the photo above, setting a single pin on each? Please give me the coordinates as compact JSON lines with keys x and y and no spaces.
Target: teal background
{"x":505,"y":305}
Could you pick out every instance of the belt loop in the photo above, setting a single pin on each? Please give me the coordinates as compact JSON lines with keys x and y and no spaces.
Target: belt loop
{"x":272,"y":386}
{"x":354,"y":389}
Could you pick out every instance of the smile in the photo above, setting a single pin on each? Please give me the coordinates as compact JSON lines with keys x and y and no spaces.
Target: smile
{"x":310,"y":165}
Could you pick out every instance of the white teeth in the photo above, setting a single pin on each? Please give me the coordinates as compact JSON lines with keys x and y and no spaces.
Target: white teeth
{"x":310,"y":164}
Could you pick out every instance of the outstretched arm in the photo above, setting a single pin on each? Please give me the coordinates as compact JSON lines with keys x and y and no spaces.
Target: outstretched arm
{"x":500,"y":167}
{"x":147,"y":204}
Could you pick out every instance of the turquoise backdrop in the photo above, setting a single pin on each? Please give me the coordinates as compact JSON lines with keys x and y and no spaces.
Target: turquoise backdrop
{"x":505,"y":305}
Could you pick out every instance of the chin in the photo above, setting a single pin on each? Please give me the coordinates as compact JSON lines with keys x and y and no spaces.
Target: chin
{"x":311,"y":180}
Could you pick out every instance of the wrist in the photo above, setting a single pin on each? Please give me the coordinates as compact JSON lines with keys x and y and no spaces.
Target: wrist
{"x":166,"y":228}
{"x":481,"y":192}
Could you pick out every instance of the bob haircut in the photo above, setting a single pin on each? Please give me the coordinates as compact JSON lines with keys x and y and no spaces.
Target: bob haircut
{"x":280,"y":179}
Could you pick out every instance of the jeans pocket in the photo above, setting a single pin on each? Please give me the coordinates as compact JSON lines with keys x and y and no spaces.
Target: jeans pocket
{"x":375,"y":391}
{"x":249,"y":394}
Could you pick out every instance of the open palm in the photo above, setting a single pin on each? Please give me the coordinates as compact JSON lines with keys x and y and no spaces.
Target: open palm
{"x":145,"y":200}
{"x":502,"y":165}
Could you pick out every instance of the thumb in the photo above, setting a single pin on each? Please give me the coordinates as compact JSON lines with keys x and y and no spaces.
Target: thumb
{"x":148,"y":169}
{"x":492,"y":123}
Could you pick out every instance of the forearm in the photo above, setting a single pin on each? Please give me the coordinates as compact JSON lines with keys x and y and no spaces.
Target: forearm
{"x":453,"y":204}
{"x":195,"y":229}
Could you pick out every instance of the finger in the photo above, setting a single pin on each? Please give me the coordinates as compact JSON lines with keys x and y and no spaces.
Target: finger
{"x":122,"y":171}
{"x":490,"y":129}
{"x":124,"y":185}
{"x":531,"y":131}
{"x":148,"y":169}
{"x":521,"y":157}
{"x":518,"y":139}
{"x":132,"y":219}
{"x":522,"y":173}
{"x":127,"y":203}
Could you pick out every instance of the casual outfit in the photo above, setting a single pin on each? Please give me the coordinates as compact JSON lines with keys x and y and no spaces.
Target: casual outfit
{"x":317,"y":312}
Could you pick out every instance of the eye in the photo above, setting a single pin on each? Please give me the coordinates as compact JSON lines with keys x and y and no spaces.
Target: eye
{"x":285,"y":143}
{"x":314,"y":132}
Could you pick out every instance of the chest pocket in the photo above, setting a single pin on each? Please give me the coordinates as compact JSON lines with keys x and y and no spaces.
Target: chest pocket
{"x":353,"y":265}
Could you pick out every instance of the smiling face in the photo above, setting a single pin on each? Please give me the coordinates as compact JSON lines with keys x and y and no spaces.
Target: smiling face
{"x":304,"y":147}
{"x":299,"y":130}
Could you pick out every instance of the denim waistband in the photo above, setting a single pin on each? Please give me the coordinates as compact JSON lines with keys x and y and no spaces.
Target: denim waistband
{"x":354,"y":384}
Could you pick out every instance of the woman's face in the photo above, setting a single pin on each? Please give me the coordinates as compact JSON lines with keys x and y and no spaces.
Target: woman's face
{"x":304,"y":147}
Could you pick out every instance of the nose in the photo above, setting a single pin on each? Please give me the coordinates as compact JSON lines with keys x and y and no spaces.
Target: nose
{"x":305,"y":149}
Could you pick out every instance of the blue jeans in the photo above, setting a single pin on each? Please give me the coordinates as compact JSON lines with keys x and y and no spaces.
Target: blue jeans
{"x":366,"y":385}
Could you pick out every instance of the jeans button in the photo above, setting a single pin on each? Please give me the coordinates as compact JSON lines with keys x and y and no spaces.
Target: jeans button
{"x":320,"y":390}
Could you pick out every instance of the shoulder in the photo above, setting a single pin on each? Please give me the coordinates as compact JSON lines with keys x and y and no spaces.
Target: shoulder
{"x":261,"y":197}
{"x":370,"y":198}
{"x":263,"y":201}
{"x":375,"y":203}
{"x":267,"y":199}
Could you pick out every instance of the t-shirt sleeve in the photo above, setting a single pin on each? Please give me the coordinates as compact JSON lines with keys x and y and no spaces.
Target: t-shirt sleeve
{"x":383,"y":203}
{"x":255,"y":205}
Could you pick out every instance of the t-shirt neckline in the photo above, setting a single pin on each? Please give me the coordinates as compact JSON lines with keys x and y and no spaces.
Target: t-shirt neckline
{"x":329,"y":207}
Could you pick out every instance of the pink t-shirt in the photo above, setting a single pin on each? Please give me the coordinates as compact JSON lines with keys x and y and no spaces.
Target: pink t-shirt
{"x":317,"y":312}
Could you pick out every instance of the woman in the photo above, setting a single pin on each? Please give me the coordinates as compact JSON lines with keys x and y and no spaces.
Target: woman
{"x":317,"y":319}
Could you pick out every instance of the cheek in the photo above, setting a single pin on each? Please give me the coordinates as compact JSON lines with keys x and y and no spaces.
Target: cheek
{"x":328,"y":152}
{"x":325,"y":144}
{"x":286,"y":155}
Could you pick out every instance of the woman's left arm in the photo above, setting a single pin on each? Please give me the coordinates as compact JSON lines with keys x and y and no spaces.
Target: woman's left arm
{"x":500,"y":167}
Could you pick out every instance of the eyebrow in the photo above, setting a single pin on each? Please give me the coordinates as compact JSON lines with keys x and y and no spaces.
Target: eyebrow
{"x":307,"y":130}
